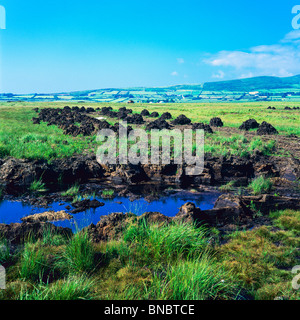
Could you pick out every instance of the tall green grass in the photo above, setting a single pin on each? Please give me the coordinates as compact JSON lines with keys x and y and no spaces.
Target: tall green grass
{"x":78,"y":256}
{"x":166,"y":242}
{"x":196,"y":279}
{"x":33,"y":262}
{"x":163,"y":262}
{"x":182,"y":264}
{"x":50,"y":238}
{"x":71,"y":288}
{"x":260,"y":185}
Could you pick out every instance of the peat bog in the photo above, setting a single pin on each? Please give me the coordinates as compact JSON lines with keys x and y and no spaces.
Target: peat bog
{"x":73,"y":228}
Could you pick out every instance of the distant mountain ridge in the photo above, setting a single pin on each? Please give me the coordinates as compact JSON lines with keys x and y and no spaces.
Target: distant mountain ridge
{"x":254,"y":84}
{"x":240,"y":85}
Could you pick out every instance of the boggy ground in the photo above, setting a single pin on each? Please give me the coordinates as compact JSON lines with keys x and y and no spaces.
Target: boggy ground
{"x":231,"y":154}
{"x":153,"y":257}
{"x":250,"y":240}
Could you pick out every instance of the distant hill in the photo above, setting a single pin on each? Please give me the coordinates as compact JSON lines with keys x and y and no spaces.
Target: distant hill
{"x":253,"y":84}
{"x":149,"y":89}
{"x":239,"y":85}
{"x":242,"y":90}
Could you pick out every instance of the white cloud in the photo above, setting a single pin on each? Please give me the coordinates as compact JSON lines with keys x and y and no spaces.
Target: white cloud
{"x":180,"y":60}
{"x":281,"y":59}
{"x":292,"y":36}
{"x":219,"y":75}
{"x":174,"y":74}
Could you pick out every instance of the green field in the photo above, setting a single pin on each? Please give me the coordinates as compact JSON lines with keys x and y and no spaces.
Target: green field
{"x":21,"y":139}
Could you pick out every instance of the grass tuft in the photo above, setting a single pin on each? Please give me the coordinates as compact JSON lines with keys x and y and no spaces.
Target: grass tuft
{"x":228,"y":186}
{"x":108,"y":193}
{"x":155,"y":242}
{"x":37,"y":186}
{"x":71,"y":288}
{"x":260,"y":185}
{"x":33,"y":262}
{"x":72,"y":191}
{"x":78,"y":256}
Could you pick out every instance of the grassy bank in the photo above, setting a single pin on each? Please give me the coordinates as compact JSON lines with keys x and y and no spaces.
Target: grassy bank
{"x":175,"y":261}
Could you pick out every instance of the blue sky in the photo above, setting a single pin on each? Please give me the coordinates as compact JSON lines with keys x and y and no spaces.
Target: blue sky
{"x":55,"y":46}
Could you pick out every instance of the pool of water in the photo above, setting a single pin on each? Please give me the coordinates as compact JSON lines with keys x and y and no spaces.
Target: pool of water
{"x":13,"y":211}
